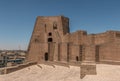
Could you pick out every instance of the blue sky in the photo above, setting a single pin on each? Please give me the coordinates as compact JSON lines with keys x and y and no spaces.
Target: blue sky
{"x":17,"y":17}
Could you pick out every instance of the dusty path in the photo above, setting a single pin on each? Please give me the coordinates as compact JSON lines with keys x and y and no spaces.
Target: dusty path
{"x":60,"y":73}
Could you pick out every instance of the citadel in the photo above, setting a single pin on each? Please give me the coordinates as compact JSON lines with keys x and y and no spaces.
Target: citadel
{"x":51,"y":40}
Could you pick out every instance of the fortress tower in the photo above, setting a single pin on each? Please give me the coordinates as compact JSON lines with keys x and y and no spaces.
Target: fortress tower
{"x":47,"y":34}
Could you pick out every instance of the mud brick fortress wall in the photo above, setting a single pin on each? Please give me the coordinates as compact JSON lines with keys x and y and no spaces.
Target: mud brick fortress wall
{"x":51,"y":40}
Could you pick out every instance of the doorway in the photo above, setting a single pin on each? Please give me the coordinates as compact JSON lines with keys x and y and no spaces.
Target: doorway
{"x":77,"y":58}
{"x":46,"y":56}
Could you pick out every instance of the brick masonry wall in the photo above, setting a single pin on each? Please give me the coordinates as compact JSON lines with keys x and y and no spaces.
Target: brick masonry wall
{"x":51,"y":36}
{"x":110,"y":52}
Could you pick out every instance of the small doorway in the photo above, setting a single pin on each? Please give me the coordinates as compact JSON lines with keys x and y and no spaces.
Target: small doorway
{"x":46,"y":56}
{"x":77,"y":58}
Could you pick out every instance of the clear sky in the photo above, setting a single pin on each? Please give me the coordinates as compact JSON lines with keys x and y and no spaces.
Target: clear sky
{"x":17,"y":17}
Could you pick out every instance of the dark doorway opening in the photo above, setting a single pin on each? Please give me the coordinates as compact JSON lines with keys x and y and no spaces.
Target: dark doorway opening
{"x":49,"y":34}
{"x":46,"y":56}
{"x":77,"y":58}
{"x":50,"y":40}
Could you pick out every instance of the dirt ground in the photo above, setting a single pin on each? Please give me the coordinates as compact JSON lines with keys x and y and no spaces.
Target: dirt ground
{"x":43,"y":72}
